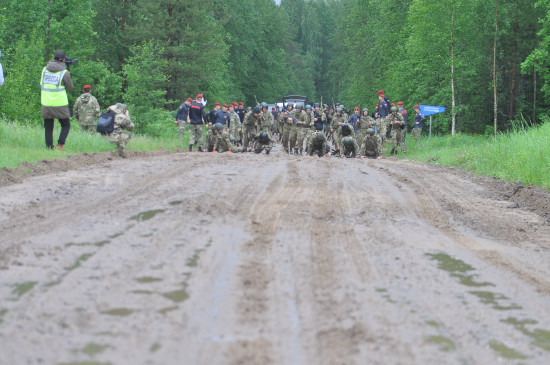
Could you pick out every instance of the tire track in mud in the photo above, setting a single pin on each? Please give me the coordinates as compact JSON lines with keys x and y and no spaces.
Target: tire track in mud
{"x":431,"y":210}
{"x":255,"y":272}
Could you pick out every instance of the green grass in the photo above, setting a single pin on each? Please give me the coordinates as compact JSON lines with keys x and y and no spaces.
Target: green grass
{"x":523,"y":154}
{"x":25,"y":143}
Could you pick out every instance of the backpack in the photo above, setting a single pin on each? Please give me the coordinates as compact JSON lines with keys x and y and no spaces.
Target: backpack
{"x":106,"y":123}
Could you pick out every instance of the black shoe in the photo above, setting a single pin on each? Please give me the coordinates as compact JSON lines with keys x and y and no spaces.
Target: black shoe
{"x":295,"y":151}
{"x":300,"y":152}
{"x":200,"y":149}
{"x":267,"y":150}
{"x":190,"y":148}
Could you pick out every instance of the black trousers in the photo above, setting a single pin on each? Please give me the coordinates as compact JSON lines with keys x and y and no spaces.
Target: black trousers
{"x":48,"y":131}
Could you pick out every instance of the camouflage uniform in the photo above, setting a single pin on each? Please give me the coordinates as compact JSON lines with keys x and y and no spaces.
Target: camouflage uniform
{"x":86,"y":111}
{"x":249,"y":127}
{"x":210,"y":139}
{"x":337,"y":128}
{"x":303,"y":129}
{"x":351,"y":151}
{"x":235,"y":125}
{"x":260,"y":146}
{"x":122,"y":121}
{"x":316,"y":147}
{"x":396,"y":121}
{"x":287,"y":127}
{"x":364,"y":123}
{"x":371,"y":146}
{"x":266,"y":122}
{"x":223,"y":143}
{"x":296,"y":129}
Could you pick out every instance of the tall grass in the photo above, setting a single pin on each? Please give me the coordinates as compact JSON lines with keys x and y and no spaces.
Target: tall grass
{"x":25,"y":142}
{"x":523,"y":154}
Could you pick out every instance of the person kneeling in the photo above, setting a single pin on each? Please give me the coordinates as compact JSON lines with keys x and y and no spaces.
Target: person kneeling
{"x":263,"y":141}
{"x":318,"y":145}
{"x":371,"y":145}
{"x":350,"y":148}
{"x":122,"y":122}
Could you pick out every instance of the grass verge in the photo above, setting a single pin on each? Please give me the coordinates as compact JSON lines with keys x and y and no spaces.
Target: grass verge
{"x":523,"y":154}
{"x":25,"y":143}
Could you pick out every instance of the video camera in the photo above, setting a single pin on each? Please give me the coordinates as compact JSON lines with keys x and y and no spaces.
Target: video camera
{"x":70,"y":61}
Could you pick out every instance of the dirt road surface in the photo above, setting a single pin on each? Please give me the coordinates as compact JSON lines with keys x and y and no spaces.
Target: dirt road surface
{"x":253,"y":259}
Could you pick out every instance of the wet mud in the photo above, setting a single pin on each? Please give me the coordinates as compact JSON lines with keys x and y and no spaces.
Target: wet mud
{"x":255,"y":259}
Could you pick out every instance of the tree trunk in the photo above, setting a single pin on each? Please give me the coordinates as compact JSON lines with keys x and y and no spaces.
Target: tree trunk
{"x":511,"y":110}
{"x":453,"y":116}
{"x":495,"y":68}
{"x":534,"y":91}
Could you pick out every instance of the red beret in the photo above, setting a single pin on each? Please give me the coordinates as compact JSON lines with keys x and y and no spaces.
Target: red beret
{"x":399,"y":103}
{"x":376,"y":104}
{"x":189,"y":99}
{"x":392,"y":104}
{"x":225,"y":106}
{"x":87,"y":87}
{"x":241,"y":103}
{"x":216,"y":103}
{"x":356,"y":108}
{"x":199,"y":96}
{"x":381,"y":92}
{"x":417,"y":106}
{"x":273,"y":108}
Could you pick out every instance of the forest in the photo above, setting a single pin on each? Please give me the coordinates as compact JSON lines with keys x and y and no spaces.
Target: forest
{"x":485,"y":61}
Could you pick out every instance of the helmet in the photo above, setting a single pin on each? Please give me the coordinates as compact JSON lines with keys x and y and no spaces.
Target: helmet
{"x":347,"y":141}
{"x":308,"y":106}
{"x":393,"y":109}
{"x":365,"y":109}
{"x":218,"y":127}
{"x":264,"y":137}
{"x":290,"y":104}
{"x":316,"y":105}
{"x":320,"y":137}
{"x":346,"y":129}
{"x":256,"y":110}
{"x":370,"y":131}
{"x":299,"y":106}
{"x":264,"y":104}
{"x":340,"y":109}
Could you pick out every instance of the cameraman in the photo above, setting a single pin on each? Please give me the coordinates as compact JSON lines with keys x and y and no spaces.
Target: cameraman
{"x":55,"y":104}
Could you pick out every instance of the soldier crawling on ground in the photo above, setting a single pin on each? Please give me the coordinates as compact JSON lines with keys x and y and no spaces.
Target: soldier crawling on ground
{"x":371,"y":145}
{"x":318,"y":145}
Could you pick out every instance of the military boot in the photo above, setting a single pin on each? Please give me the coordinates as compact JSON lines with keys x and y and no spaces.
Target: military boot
{"x":190,"y":148}
{"x":200,"y":149}
{"x":120,"y":151}
{"x":295,"y":151}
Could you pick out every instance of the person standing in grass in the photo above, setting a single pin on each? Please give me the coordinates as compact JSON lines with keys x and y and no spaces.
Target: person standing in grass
{"x":182,"y":116}
{"x":54,"y":82}
{"x":86,"y":110}
{"x":197,"y":120}
{"x":418,"y":122}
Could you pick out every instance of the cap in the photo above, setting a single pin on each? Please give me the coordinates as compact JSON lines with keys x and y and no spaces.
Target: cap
{"x":199,"y":96}
{"x":216,"y":103}
{"x":399,"y":103}
{"x":189,"y":99}
{"x":59,"y":55}
{"x":225,"y":106}
{"x":87,"y":87}
{"x":381,"y":92}
{"x":417,"y":106}
{"x":356,"y":108}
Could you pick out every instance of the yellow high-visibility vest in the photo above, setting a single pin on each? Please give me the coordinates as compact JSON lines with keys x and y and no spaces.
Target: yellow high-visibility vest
{"x":53,"y":93}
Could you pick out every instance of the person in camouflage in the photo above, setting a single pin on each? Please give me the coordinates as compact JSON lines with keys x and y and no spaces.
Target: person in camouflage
{"x":263,"y":141}
{"x":303,"y":129}
{"x":350,"y":148}
{"x":122,"y":122}
{"x":364,"y":123}
{"x":337,"y":120}
{"x":210,"y":139}
{"x":266,"y":118}
{"x":182,"y":117}
{"x":86,"y":110}
{"x":223,"y":141}
{"x":318,"y":145}
{"x":418,"y":122}
{"x":403,"y":135}
{"x":250,"y":124}
{"x":371,"y":145}
{"x":297,"y":129}
{"x":395,"y":120}
{"x":235,"y":128}
{"x":286,"y":125}
{"x":382,"y":113}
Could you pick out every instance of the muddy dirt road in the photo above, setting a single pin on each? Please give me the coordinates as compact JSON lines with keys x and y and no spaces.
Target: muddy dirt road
{"x":253,"y":259}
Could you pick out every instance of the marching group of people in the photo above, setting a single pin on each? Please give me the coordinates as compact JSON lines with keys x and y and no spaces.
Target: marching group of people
{"x":299,"y":128}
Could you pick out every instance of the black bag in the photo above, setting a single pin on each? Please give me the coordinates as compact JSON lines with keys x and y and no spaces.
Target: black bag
{"x":106,"y":123}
